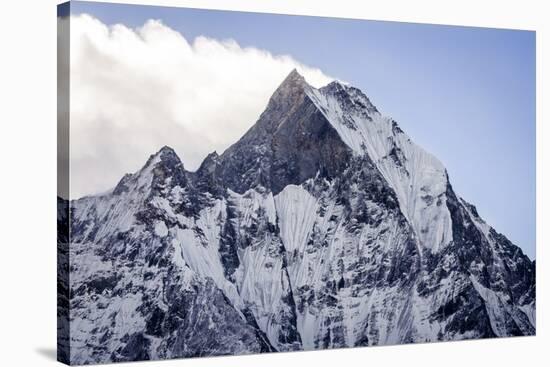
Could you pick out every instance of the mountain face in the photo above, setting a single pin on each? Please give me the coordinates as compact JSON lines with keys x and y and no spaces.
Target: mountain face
{"x":324,"y":226}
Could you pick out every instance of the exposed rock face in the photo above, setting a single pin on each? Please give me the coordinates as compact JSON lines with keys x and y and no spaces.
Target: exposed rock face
{"x":290,"y":143}
{"x":324,"y":226}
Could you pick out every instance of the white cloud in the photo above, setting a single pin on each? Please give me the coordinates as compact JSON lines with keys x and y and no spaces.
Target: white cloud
{"x":135,"y":90}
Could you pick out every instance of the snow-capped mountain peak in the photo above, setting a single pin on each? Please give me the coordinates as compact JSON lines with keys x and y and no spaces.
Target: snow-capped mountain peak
{"x":324,"y":226}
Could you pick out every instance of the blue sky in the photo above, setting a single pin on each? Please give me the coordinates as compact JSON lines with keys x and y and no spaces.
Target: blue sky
{"x":465,"y":94}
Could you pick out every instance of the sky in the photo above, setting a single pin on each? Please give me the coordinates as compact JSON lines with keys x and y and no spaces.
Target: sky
{"x":465,"y":94}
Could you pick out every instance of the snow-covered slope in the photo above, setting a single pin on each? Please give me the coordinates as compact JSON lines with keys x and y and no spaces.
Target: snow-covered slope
{"x":324,"y":226}
{"x":418,"y":178}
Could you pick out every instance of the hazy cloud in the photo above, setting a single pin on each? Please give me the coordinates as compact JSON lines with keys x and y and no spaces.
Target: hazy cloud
{"x":135,"y":90}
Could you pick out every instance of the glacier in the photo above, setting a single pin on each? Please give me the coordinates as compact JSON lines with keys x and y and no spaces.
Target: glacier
{"x":324,"y":226}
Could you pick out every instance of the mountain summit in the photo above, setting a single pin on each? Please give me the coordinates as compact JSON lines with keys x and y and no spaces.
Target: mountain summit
{"x":324,"y":226}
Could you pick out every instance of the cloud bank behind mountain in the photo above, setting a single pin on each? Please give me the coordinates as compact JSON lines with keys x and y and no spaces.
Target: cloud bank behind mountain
{"x":136,"y":90}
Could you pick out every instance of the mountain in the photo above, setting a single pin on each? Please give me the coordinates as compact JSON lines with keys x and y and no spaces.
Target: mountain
{"x":324,"y":226}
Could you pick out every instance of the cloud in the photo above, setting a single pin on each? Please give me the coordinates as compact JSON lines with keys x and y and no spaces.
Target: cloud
{"x":135,"y":90}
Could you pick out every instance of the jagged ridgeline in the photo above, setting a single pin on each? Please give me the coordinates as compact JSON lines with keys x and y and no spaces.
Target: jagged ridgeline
{"x":324,"y":226}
